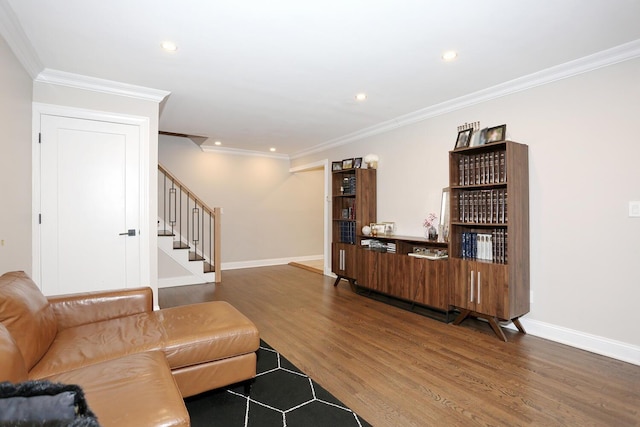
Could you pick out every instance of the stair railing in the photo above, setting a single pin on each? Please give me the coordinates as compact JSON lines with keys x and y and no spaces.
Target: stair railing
{"x":195,"y":225}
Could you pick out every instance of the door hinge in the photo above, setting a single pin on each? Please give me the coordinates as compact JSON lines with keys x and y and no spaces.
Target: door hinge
{"x":39,"y":218}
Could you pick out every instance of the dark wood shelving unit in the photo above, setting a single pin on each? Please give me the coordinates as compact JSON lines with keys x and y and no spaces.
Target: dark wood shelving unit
{"x":489,"y":233}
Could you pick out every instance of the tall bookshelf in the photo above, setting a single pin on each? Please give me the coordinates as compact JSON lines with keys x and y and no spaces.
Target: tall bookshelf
{"x":489,"y":233}
{"x":353,"y":206}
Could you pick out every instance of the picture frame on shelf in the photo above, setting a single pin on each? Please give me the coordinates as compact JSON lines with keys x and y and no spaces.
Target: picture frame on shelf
{"x":377,"y":229}
{"x":336,"y":166}
{"x":464,"y":138}
{"x":347,"y":164}
{"x":357,"y":162}
{"x":496,"y":134}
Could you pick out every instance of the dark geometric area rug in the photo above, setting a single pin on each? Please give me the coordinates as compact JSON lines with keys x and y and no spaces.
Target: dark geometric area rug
{"x":281,"y":395}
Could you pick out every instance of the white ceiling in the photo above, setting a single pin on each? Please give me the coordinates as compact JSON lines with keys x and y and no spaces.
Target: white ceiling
{"x":256,"y":74}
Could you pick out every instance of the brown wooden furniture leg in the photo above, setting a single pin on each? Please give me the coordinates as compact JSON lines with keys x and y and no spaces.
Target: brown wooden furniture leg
{"x":518,"y":325}
{"x":337,"y":281}
{"x":493,"y":321}
{"x":464,"y":313}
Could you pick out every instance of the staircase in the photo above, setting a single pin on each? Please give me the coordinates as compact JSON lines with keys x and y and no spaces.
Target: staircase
{"x":188,"y":230}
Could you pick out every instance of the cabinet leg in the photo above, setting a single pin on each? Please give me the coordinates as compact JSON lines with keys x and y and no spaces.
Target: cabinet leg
{"x":517,"y":324}
{"x":337,"y":281}
{"x":496,"y":328}
{"x":464,"y":313}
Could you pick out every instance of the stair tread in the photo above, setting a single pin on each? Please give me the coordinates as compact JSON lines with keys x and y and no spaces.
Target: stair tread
{"x":195,"y":257}
{"x":165,"y":233}
{"x":208,"y":268}
{"x":180,"y":245}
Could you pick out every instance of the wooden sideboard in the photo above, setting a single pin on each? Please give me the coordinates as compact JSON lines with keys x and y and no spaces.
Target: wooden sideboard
{"x":389,"y":270}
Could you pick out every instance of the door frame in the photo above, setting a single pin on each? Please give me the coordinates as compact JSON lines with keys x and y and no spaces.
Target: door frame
{"x":324,"y":165}
{"x":40,"y":109}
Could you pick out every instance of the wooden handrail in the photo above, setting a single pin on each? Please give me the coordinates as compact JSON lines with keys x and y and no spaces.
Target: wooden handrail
{"x":215,"y":213}
{"x":182,"y":186}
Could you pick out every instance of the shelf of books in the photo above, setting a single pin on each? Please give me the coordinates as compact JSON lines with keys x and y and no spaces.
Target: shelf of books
{"x":353,"y":206}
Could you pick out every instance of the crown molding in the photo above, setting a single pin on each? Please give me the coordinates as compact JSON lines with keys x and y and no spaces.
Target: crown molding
{"x":12,"y":32}
{"x":240,"y":152}
{"x":95,"y":84}
{"x":588,"y":63}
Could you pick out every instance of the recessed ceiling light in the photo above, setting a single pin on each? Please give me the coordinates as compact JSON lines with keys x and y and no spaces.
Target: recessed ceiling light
{"x":361,"y":96}
{"x":450,"y":55}
{"x":169,"y":46}
{"x":272,"y":149}
{"x":217,"y":143}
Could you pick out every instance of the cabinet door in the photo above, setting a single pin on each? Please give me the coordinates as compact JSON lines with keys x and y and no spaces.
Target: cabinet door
{"x":367,"y":274}
{"x":343,"y":260}
{"x":492,"y":291}
{"x":481,"y":287}
{"x":460,"y":276}
{"x":430,"y":282}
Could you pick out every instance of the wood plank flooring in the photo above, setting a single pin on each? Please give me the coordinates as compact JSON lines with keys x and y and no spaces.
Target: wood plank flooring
{"x":398,"y":368}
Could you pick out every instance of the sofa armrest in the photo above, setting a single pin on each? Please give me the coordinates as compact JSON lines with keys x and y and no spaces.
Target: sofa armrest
{"x":89,"y":307}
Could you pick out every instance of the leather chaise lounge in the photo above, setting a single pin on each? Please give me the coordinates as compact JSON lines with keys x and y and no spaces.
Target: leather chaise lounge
{"x":135,"y":365}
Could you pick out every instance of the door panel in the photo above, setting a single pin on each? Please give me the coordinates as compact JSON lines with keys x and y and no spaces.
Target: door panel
{"x":90,"y":182}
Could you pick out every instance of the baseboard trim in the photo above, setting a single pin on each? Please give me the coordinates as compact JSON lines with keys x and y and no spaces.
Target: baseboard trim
{"x":593,"y":343}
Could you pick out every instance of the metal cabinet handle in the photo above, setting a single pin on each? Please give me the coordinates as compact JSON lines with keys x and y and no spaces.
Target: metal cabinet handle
{"x":472,"y":286}
{"x":479,"y":284}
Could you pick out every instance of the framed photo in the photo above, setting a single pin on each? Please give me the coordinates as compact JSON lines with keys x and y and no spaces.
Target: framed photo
{"x":377,"y":228}
{"x":496,"y":134}
{"x":464,"y":137}
{"x":357,"y":162}
{"x":347,"y":164}
{"x":336,"y":166}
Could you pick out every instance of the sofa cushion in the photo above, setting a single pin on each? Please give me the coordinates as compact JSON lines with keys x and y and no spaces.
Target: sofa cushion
{"x":12,"y":367}
{"x":206,"y":332}
{"x":134,"y":390}
{"x":96,"y":342}
{"x":27,"y":315}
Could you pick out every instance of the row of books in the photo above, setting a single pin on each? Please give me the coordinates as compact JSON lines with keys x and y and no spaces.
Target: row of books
{"x":483,"y":206}
{"x":349,"y":209}
{"x":485,"y":246}
{"x":347,"y":231}
{"x":484,"y":168}
{"x":348,"y":185}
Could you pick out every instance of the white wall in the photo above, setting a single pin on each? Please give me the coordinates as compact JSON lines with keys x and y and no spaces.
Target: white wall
{"x":270,"y":215}
{"x":584,"y":151}
{"x":15,"y":163}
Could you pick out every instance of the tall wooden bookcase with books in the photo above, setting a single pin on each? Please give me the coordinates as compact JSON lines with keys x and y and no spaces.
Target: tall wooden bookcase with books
{"x":353,"y":206}
{"x":489,"y":233}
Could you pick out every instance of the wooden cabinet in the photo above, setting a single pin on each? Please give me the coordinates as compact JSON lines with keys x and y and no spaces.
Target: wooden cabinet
{"x":343,"y":260}
{"x":396,"y":274}
{"x":489,"y":232}
{"x":353,"y":206}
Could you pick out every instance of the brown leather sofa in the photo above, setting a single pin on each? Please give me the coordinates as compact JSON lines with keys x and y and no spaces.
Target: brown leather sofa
{"x":134,"y":364}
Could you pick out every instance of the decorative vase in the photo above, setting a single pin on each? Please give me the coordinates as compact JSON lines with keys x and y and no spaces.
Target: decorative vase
{"x":431,"y":233}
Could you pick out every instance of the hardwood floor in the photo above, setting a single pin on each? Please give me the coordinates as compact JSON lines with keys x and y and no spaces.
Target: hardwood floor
{"x":398,"y":368}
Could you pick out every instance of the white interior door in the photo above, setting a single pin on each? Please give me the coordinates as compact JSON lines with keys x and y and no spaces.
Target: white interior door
{"x":89,"y":190}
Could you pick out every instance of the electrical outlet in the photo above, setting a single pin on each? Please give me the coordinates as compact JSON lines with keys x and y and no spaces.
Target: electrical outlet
{"x":634,"y":209}
{"x":2,"y":242}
